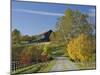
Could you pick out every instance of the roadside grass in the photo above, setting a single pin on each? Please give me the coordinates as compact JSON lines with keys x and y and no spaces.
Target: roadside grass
{"x":47,"y":67}
{"x":84,"y":65}
{"x":58,"y":53}
{"x":89,"y":65}
{"x":21,"y":70}
{"x":41,"y":67}
{"x":32,"y":68}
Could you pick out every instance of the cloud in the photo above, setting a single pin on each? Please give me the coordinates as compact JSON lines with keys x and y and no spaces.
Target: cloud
{"x":39,"y":12}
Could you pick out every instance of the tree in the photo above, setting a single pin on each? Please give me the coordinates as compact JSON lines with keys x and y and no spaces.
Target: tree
{"x":81,"y":48}
{"x":16,"y":36}
{"x":28,"y":38}
{"x":64,"y":24}
{"x":72,"y":24}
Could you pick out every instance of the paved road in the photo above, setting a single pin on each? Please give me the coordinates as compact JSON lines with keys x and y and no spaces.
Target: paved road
{"x":30,"y":44}
{"x":63,"y":64}
{"x":41,"y":43}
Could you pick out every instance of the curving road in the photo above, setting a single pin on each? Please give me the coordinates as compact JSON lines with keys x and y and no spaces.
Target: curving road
{"x":63,"y":64}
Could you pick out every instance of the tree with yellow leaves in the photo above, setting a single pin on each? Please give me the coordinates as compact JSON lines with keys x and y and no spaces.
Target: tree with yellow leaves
{"x":81,"y":48}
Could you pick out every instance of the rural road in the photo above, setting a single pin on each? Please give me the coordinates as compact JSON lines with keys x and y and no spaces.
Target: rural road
{"x":63,"y":64}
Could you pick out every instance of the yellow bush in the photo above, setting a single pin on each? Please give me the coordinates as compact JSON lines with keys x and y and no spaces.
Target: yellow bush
{"x":81,"y":48}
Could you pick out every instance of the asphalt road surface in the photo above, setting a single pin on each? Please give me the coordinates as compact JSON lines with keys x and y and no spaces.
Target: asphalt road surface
{"x":63,"y":64}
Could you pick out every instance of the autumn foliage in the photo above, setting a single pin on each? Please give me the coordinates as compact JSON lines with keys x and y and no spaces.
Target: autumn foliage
{"x":81,"y":48}
{"x":35,"y":54}
{"x":28,"y":54}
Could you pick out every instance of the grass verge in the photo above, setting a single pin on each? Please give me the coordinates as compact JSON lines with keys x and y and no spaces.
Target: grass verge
{"x":41,"y":67}
{"x":47,"y":67}
{"x":91,"y":65}
{"x":26,"y":69}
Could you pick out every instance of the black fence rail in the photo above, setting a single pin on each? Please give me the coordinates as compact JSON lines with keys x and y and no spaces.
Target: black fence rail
{"x":17,"y":65}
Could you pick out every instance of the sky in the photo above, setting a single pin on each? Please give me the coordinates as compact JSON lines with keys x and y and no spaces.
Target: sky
{"x":33,"y":18}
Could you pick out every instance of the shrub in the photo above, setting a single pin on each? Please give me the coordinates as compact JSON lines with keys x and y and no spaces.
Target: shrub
{"x":46,"y":53}
{"x":29,"y":54}
{"x":81,"y":48}
{"x":16,"y":52}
